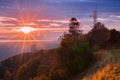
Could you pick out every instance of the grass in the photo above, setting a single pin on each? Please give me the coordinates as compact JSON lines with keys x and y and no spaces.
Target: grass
{"x":116,"y":55}
{"x":106,"y":68}
{"x":109,"y":72}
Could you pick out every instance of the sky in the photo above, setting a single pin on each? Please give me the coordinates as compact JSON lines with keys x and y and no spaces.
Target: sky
{"x":51,"y":17}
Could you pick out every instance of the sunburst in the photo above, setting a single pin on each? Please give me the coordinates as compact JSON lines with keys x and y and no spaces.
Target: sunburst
{"x":27,"y":29}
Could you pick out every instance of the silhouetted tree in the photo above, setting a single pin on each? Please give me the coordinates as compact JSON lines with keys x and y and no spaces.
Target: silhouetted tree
{"x":74,"y":26}
{"x":115,"y":37}
{"x":74,"y":54}
{"x":99,"y":34}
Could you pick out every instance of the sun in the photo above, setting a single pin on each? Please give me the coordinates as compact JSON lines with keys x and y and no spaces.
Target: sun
{"x":26,"y":29}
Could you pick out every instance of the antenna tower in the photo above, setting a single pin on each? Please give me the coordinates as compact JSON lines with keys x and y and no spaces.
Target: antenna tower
{"x":95,"y":16}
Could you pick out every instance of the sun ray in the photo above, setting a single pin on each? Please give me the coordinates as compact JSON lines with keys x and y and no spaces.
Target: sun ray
{"x":26,"y":29}
{"x":22,"y":38}
{"x":23,"y":44}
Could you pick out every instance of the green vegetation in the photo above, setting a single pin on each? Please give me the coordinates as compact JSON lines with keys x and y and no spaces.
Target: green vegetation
{"x":116,"y":54}
{"x":72,"y":57}
{"x":75,"y":53}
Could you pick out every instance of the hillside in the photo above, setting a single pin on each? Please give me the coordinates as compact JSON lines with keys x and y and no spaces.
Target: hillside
{"x":107,"y":66}
{"x":13,"y":63}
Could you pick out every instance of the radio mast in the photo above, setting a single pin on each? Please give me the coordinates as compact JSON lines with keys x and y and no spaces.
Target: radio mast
{"x":95,"y":16}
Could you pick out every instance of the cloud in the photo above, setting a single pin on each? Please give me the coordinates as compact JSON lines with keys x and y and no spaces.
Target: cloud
{"x":32,"y":24}
{"x":102,"y":19}
{"x":27,"y":41}
{"x":7,"y":21}
{"x":53,"y":21}
{"x":3,"y":18}
{"x":55,"y":24}
{"x":114,"y":16}
{"x":6,"y":24}
{"x":51,"y":29}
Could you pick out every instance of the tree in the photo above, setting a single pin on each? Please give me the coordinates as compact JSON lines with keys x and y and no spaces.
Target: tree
{"x":74,"y":54}
{"x":115,"y":37}
{"x":74,"y":26}
{"x":99,"y":34}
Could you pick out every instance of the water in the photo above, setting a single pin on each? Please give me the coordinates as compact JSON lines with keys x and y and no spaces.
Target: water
{"x":9,"y":49}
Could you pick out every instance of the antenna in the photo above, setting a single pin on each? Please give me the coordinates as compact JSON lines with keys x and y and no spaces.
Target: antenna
{"x":95,"y":16}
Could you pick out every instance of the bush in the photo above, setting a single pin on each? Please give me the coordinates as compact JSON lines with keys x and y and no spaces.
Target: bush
{"x":74,"y":54}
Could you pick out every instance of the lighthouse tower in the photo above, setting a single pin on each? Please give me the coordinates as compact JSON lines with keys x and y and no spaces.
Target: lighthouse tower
{"x":74,"y":26}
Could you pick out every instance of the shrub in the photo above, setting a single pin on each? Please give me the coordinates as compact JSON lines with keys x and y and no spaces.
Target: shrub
{"x":74,"y":54}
